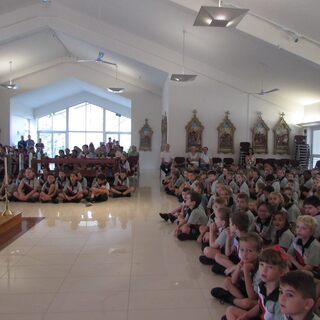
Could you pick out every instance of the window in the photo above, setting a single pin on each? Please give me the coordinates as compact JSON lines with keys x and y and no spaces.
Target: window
{"x":82,"y":124}
{"x":118,"y":128}
{"x":315,"y":149}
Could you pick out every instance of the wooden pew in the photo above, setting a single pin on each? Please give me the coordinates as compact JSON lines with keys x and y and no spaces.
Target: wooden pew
{"x":85,"y":165}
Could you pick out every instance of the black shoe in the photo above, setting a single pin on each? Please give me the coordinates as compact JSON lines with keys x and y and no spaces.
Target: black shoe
{"x":55,"y":200}
{"x":205,"y":260}
{"x":183,"y":237}
{"x":172,"y":218}
{"x":222,"y":295}
{"x":218,"y":268}
{"x":224,"y":318}
{"x":164,"y":216}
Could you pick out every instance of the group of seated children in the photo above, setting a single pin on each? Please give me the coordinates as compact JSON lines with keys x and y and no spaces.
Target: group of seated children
{"x":48,"y":188}
{"x":263,"y":241}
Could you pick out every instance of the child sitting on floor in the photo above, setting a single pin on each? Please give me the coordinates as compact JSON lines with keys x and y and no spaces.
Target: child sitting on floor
{"x":238,"y":227}
{"x":304,"y":252}
{"x":217,"y":235}
{"x":204,"y":229}
{"x":281,"y":233}
{"x":272,"y":265}
{"x":28,"y":189}
{"x":180,"y":210}
{"x":244,"y":277}
{"x":263,"y":222}
{"x":100,"y":189}
{"x":121,"y":186}
{"x":297,"y":296}
{"x":49,"y":191}
{"x":188,"y":229}
{"x":72,"y":191}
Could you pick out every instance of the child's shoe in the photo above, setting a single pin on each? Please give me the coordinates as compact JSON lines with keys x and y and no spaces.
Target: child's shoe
{"x":222,"y":295}
{"x":164,"y":216}
{"x":205,"y":260}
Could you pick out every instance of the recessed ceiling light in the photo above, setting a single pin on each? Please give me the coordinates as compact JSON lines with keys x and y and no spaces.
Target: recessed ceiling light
{"x":219,"y":17}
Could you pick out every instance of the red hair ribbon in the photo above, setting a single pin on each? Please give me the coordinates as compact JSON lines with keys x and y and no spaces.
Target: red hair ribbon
{"x":281,"y":252}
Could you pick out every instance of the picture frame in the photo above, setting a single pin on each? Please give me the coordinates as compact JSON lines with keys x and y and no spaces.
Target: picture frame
{"x":146,"y":137}
{"x":281,"y":136}
{"x":260,"y":133}
{"x":194,"y":130}
{"x":226,"y":131}
{"x":164,"y":131}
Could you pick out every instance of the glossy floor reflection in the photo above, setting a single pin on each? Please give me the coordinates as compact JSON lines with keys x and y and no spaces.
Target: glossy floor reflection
{"x":114,"y":260}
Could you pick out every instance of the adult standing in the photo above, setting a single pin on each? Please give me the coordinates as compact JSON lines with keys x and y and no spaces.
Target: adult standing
{"x":29,"y":142}
{"x":166,"y":160}
{"x":22,"y":143}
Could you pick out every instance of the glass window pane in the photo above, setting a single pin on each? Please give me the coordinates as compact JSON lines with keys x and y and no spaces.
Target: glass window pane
{"x":94,"y":118}
{"x":125,"y":141}
{"x":76,"y":139}
{"x":112,"y":121}
{"x":113,"y":136}
{"x":77,"y":118}
{"x":95,"y":138}
{"x":45,"y":123}
{"x":59,"y":121}
{"x":314,"y":160}
{"x":315,"y":142}
{"x":47,"y":141}
{"x":59,"y":142}
{"x":125,"y":124}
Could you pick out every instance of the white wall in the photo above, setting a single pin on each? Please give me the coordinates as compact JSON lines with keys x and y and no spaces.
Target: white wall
{"x":312,"y":113}
{"x":212,"y":100}
{"x":5,"y":116}
{"x":147,"y":105}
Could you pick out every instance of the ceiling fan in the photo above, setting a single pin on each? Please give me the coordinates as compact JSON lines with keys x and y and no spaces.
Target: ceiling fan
{"x":263,"y":92}
{"x":11,"y":85}
{"x":99,"y":59}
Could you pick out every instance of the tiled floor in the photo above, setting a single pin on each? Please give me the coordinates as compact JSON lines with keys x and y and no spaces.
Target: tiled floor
{"x":114,"y":260}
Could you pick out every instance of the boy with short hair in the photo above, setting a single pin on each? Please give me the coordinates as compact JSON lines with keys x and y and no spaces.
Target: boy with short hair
{"x":311,"y":207}
{"x":239,"y":224}
{"x":72,"y":191}
{"x":188,"y":229}
{"x":28,"y":189}
{"x":297,"y":296}
{"x":100,"y":189}
{"x":242,"y":200}
{"x":240,"y":286}
{"x":49,"y":191}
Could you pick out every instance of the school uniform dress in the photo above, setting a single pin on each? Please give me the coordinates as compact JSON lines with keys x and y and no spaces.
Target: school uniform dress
{"x":61,"y":184}
{"x":269,"y":308}
{"x":310,"y":316}
{"x":29,"y":184}
{"x":121,"y":185}
{"x":197,"y":217}
{"x":293,"y":212}
{"x":283,"y":182}
{"x":264,"y":228}
{"x":102,"y":197}
{"x":283,"y":238}
{"x":72,"y":189}
{"x":46,"y":187}
{"x":306,"y":254}
{"x":317,"y":232}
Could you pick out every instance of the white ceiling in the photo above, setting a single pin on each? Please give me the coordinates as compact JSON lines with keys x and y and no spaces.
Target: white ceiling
{"x":231,"y":56}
